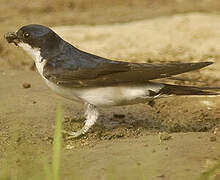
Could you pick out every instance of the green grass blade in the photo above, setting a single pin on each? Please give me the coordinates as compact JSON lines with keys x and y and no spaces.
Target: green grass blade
{"x":47,"y":169}
{"x":207,"y":175}
{"x":57,"y":144}
{"x":110,"y":173}
{"x":4,"y":171}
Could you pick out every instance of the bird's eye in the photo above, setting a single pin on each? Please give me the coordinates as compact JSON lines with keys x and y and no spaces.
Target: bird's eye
{"x":26,"y":35}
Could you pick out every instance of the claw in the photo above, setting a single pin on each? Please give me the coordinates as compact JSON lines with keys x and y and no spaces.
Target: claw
{"x":91,"y":117}
{"x":73,"y":135}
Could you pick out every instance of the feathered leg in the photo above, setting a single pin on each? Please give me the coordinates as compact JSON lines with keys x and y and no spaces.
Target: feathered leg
{"x":91,"y":117}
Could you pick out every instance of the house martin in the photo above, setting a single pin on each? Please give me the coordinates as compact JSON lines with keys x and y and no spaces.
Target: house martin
{"x":97,"y":81}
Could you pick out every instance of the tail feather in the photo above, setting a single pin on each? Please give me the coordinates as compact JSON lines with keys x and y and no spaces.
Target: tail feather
{"x":189,"y":90}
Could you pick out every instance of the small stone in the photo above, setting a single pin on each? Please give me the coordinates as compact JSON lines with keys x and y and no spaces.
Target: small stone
{"x":138,"y":163}
{"x":217,"y":177}
{"x":164,"y":136}
{"x":161,"y":176}
{"x":18,"y":161}
{"x":216,"y":130}
{"x":119,"y":116}
{"x":212,"y":139}
{"x":151,"y":103}
{"x":119,"y":135}
{"x":48,"y":138}
{"x":153,"y":151}
{"x":69,"y":147}
{"x":66,"y":118}
{"x":26,"y":85}
{"x":18,"y":139}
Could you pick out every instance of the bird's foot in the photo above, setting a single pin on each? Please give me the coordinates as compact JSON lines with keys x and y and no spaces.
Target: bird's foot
{"x":91,"y":117}
{"x":73,"y":134}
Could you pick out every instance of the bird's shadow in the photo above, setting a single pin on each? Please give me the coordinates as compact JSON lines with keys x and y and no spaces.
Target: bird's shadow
{"x":141,"y":119}
{"x":117,"y":122}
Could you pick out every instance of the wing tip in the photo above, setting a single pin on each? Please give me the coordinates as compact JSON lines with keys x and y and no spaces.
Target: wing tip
{"x":207,"y":63}
{"x":170,"y":89}
{"x":199,"y":65}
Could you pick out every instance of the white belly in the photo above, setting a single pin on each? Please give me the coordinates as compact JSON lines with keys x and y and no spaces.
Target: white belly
{"x":104,"y":96}
{"x":117,"y":95}
{"x":107,"y":96}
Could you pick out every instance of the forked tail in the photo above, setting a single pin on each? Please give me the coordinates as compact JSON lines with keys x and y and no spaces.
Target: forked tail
{"x":189,"y":90}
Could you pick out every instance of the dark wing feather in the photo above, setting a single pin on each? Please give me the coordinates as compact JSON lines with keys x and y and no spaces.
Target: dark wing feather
{"x":111,"y":73}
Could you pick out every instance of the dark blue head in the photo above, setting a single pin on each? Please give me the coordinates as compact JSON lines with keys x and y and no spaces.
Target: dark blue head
{"x":40,"y":38}
{"x":36,"y":36}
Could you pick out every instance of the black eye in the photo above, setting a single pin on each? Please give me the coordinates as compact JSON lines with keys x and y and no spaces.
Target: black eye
{"x":26,"y":35}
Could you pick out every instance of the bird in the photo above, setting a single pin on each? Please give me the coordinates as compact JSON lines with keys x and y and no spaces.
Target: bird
{"x":96,"y":81}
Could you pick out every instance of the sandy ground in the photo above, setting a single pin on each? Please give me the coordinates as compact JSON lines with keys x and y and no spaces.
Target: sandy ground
{"x":132,"y":147}
{"x":177,"y":138}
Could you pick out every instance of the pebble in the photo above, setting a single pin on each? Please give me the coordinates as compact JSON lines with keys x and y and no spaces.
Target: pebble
{"x":212,"y":139}
{"x":153,"y":151}
{"x":119,"y":115}
{"x":26,"y":85}
{"x":164,"y":136}
{"x":69,"y":147}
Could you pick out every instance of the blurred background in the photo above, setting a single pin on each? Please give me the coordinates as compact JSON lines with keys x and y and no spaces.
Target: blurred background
{"x":14,"y":14}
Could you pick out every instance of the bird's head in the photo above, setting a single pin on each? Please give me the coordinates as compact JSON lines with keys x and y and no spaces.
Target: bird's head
{"x":34,"y":37}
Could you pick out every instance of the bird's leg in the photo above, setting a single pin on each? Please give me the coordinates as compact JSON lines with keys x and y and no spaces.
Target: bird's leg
{"x":91,"y":117}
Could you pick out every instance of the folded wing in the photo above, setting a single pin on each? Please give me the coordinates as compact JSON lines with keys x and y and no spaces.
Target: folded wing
{"x":112,"y":73}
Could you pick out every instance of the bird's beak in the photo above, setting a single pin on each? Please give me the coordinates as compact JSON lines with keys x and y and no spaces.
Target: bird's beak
{"x":12,"y":37}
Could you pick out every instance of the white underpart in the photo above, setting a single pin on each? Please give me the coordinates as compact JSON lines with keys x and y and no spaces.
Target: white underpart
{"x":101,"y":96}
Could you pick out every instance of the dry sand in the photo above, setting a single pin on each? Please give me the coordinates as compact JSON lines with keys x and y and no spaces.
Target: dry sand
{"x":135,"y":146}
